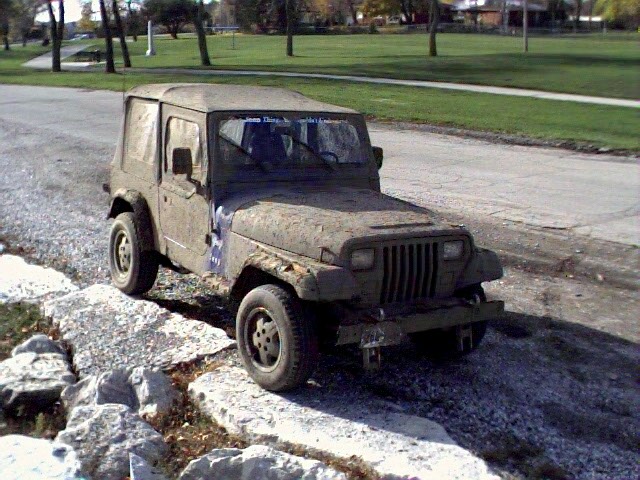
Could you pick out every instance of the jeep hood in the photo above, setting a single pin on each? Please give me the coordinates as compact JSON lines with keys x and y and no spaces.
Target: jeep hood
{"x":333,"y":220}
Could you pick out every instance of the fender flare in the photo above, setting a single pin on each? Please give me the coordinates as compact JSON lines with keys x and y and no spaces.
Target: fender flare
{"x":124,"y":200}
{"x":308,"y":278}
{"x":483,"y":266}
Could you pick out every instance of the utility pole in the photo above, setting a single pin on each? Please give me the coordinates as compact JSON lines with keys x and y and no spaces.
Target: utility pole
{"x":525,"y":25}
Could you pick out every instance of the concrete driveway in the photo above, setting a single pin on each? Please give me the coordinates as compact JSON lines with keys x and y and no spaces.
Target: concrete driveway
{"x":593,"y":195}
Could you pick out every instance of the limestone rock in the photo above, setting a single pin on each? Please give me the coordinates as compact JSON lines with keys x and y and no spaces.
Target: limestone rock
{"x":110,"y":330}
{"x":33,"y":380}
{"x":108,"y":387}
{"x":104,"y":436}
{"x":396,"y":445}
{"x":141,"y":470}
{"x":257,"y":462}
{"x":153,"y":391}
{"x":39,"y":343}
{"x":26,"y":457}
{"x":21,"y":282}
{"x":148,"y":391}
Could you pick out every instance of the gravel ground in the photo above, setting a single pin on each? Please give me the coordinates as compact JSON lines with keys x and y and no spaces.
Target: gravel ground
{"x":552,"y":393}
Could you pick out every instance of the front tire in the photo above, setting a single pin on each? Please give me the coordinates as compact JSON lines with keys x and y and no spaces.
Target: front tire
{"x":277,"y":342}
{"x":133,"y":267}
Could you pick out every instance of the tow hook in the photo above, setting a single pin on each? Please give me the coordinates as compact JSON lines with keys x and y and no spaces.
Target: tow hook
{"x":371,"y":358}
{"x":375,"y":337}
{"x":464,"y":337}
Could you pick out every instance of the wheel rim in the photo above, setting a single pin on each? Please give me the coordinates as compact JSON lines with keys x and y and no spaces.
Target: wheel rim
{"x":262,"y":340}
{"x":122,"y":253}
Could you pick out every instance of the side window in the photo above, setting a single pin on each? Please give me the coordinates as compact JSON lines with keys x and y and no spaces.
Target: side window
{"x":184,"y":160}
{"x":140,"y":143}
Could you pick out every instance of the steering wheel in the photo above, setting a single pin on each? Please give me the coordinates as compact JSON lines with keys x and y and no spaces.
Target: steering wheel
{"x":331,"y":154}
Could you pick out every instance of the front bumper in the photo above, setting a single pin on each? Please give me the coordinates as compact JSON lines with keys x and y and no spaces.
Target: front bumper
{"x":378,"y":329}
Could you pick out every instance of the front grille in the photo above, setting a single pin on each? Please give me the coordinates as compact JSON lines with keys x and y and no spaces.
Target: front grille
{"x":410,"y":272}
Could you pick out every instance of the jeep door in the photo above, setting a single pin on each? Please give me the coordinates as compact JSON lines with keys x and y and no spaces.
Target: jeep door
{"x":183,"y":191}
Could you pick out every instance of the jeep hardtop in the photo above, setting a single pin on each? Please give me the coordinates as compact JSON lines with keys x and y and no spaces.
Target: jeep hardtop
{"x":274,"y":199}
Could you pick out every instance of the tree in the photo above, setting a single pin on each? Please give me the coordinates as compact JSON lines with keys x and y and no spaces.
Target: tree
{"x":85,"y":24}
{"x":172,"y":14}
{"x":291,"y":20}
{"x":121,"y":33}
{"x":434,"y":14}
{"x":198,"y":19}
{"x":373,"y":8}
{"x":625,"y":13}
{"x":110,"y":65}
{"x":353,"y":10}
{"x":24,"y":13}
{"x":133,"y":22}
{"x":6,"y":11}
{"x":57,"y":33}
{"x":576,"y":20}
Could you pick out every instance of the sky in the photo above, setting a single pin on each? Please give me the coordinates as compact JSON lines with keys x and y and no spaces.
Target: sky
{"x":72,"y":10}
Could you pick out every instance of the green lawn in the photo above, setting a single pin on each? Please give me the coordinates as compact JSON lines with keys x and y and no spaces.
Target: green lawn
{"x":604,"y":126}
{"x":590,"y":64}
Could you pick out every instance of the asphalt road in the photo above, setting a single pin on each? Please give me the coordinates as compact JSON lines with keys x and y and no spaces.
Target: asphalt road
{"x":591,"y":195}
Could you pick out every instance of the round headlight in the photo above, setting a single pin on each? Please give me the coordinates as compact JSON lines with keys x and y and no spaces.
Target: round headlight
{"x":362,"y":259}
{"x":453,"y":250}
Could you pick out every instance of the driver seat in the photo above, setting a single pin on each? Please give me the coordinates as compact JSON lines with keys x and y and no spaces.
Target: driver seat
{"x":266,"y":146}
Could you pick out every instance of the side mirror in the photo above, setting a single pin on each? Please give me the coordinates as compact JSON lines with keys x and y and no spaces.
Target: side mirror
{"x":378,"y":155}
{"x":181,"y":161}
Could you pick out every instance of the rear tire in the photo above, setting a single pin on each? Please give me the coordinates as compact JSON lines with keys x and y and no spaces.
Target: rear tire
{"x":133,"y":267}
{"x":442,"y":343}
{"x":277,"y":342}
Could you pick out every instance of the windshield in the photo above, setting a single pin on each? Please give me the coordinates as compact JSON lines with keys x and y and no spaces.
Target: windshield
{"x":289,"y":142}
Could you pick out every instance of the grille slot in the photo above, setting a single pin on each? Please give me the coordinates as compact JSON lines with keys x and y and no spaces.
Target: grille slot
{"x":409,"y":272}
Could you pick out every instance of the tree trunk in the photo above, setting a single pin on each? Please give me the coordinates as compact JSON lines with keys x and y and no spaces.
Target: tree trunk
{"x":290,"y":21}
{"x":576,"y":21}
{"x":354,"y":12}
{"x":202,"y":36}
{"x":55,"y":50}
{"x":434,"y":13}
{"x":121,"y":34}
{"x":407,"y":14}
{"x":110,"y":66}
{"x":130,"y":17}
{"x":24,"y":40}
{"x":173,"y":30}
{"x":5,"y":39}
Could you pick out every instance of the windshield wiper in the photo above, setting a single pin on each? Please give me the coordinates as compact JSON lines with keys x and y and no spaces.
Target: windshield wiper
{"x":243,"y":150}
{"x":308,"y":147}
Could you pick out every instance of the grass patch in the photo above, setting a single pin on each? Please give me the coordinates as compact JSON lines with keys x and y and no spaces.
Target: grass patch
{"x":190,"y":434}
{"x":187,"y":431}
{"x":45,"y":424}
{"x":597,"y":125}
{"x":18,"y":322}
{"x":581,"y":64}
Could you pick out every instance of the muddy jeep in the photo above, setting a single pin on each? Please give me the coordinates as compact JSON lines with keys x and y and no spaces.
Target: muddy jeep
{"x":274,"y":199}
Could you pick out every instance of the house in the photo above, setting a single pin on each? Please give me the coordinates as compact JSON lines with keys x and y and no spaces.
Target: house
{"x":509,"y":13}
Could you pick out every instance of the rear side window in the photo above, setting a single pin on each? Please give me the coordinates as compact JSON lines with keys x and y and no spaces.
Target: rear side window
{"x":184,"y":134}
{"x":141,"y":134}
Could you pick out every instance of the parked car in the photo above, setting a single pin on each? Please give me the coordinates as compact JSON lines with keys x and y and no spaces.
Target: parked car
{"x":274,"y":199}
